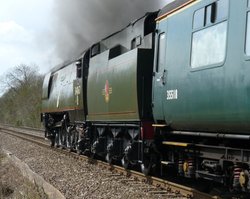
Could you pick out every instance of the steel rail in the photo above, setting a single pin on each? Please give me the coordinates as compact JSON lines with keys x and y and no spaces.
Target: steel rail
{"x":154,"y":181}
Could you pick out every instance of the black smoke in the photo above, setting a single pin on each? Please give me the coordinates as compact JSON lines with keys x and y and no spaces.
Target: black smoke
{"x":80,"y":23}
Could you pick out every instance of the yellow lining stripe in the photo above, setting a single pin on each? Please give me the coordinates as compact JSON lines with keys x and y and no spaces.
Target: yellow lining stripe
{"x":176,"y":144}
{"x":165,"y":162}
{"x":177,"y":10}
{"x":159,"y":125}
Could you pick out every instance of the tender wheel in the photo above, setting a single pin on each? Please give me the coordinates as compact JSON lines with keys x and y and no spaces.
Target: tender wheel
{"x":109,"y":158}
{"x":146,"y":166}
{"x":79,"y":152}
{"x":125,"y":162}
{"x":93,"y":156}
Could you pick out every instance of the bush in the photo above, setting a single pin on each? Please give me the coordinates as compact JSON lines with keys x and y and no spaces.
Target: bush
{"x":21,"y":102}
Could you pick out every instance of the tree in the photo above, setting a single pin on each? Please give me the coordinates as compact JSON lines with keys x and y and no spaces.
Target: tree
{"x":21,"y":102}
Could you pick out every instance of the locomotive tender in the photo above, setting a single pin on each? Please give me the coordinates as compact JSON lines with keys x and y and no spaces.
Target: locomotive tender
{"x":170,"y":89}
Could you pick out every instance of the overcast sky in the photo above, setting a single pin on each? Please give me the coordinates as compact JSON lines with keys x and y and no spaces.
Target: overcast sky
{"x":25,"y":29}
{"x":27,"y":32}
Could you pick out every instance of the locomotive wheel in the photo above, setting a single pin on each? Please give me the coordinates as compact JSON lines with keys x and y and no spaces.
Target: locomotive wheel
{"x":74,"y":140}
{"x":70,"y":145}
{"x":78,"y":148}
{"x":69,"y":141}
{"x":125,"y":162}
{"x":52,"y":141}
{"x":63,"y":138}
{"x":57,"y":142}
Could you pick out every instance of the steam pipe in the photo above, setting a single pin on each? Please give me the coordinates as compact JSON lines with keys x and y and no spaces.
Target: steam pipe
{"x":211,"y":135}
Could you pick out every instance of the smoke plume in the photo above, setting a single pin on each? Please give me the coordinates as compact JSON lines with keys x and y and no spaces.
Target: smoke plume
{"x":80,"y":23}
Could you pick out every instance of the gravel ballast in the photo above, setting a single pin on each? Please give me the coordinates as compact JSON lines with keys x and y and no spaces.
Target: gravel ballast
{"x":72,"y":177}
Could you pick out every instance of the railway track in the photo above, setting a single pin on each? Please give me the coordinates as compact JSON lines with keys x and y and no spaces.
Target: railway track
{"x":161,"y":188}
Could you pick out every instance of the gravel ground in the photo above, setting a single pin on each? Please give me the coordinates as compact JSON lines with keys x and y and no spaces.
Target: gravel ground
{"x":74,"y":178}
{"x":13,"y":185}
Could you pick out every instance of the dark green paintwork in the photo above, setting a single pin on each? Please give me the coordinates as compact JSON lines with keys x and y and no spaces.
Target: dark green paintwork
{"x":215,"y":99}
{"x":65,"y":88}
{"x":122,"y":74}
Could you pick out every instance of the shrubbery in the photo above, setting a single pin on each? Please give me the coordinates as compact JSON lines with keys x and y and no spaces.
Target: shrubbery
{"x":21,"y":102}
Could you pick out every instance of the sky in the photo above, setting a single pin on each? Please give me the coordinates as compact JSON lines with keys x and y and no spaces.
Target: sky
{"x":25,"y":29}
{"x":35,"y":32}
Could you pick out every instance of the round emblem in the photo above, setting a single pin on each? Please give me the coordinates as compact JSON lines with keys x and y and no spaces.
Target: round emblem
{"x":107,"y":91}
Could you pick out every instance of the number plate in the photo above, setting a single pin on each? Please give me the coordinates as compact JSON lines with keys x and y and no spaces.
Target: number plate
{"x":172,"y":94}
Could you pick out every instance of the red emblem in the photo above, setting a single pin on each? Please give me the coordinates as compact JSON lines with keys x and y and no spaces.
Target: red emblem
{"x":107,"y":88}
{"x":107,"y":91}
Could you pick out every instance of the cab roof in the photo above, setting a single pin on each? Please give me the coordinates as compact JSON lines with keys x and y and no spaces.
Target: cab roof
{"x":173,"y":7}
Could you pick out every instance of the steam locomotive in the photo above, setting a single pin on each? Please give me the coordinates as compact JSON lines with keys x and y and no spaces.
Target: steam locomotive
{"x":170,"y":90}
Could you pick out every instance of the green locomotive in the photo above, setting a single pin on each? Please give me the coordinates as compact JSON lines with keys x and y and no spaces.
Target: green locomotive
{"x":105,"y":107}
{"x":170,"y":90}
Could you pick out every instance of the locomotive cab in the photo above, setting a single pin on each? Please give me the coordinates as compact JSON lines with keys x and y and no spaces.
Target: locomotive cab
{"x":63,"y":101}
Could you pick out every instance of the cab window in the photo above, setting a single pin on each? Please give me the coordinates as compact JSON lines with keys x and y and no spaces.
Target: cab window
{"x":209,"y":35}
{"x":78,"y":69}
{"x":161,"y":51}
{"x":247,"y":45}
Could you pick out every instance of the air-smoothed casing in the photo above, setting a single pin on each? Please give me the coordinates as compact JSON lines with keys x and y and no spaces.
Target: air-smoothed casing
{"x":120,"y":89}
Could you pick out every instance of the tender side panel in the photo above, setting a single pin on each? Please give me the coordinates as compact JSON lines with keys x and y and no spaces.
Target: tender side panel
{"x":112,"y":88}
